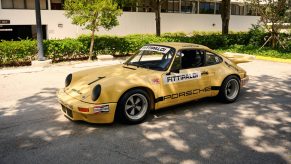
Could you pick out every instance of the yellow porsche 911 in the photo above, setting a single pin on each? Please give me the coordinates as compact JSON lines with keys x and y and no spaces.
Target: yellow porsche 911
{"x":160,"y":75}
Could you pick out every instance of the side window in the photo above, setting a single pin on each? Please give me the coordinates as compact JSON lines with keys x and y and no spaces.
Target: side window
{"x":192,"y":58}
{"x":177,"y":62}
{"x":211,"y":59}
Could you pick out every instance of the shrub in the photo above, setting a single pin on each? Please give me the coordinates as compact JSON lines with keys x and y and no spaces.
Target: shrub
{"x":64,"y":49}
{"x":254,"y":50}
{"x":17,"y":52}
{"x":257,"y":35}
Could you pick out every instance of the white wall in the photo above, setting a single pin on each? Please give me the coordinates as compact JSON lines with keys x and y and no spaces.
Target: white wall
{"x":130,"y":22}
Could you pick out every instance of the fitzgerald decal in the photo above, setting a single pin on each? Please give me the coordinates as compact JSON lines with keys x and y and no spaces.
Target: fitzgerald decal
{"x":181,"y":77}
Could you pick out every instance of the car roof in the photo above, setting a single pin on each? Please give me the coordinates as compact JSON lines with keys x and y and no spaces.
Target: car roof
{"x":181,"y":45}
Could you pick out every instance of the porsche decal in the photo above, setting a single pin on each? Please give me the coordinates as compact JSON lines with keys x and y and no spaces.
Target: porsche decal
{"x":184,"y":94}
{"x":181,"y":77}
{"x":156,"y":49}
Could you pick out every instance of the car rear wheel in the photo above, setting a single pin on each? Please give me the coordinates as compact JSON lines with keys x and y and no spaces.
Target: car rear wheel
{"x":229,"y":89}
{"x":133,"y":107}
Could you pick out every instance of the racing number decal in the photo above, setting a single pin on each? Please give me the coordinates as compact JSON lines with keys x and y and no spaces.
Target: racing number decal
{"x":181,"y":77}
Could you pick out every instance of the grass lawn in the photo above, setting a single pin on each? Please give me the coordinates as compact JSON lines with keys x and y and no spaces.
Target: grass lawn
{"x":262,"y":54}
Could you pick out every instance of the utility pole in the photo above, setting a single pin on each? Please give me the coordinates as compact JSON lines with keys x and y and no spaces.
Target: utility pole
{"x":39,"y":31}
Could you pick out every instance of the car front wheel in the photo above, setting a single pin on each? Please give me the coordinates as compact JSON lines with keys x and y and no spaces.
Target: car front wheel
{"x":133,"y":107}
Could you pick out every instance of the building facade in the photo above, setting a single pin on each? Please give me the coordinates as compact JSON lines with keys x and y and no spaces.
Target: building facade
{"x":17,"y":18}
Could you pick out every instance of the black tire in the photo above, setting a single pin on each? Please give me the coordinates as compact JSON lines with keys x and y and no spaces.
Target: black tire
{"x":133,"y":107}
{"x":229,"y":90}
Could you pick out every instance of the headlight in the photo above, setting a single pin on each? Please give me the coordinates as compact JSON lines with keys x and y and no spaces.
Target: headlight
{"x":68,"y":80}
{"x":96,"y":92}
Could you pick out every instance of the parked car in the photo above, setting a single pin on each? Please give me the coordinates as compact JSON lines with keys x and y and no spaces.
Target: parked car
{"x":159,"y":76}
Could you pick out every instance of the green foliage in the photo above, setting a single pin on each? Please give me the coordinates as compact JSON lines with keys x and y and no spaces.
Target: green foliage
{"x":64,"y":49}
{"x":254,"y":50}
{"x":257,"y":35}
{"x":272,"y":15}
{"x":16,"y":52}
{"x":93,"y":14}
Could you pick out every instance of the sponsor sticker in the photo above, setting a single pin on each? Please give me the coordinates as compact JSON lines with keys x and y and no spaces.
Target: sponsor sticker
{"x":156,"y":49}
{"x":101,"y":108}
{"x":181,"y":77}
{"x":156,"y":81}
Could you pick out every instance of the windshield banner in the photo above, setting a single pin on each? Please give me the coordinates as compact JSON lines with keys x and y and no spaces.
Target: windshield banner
{"x":156,"y":49}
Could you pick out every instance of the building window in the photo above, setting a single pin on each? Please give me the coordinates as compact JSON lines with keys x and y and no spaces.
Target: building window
{"x":237,"y":10}
{"x":188,"y":6}
{"x":143,"y":6}
{"x":164,"y":7}
{"x":7,"y":4}
{"x":57,"y":4}
{"x":130,"y":7}
{"x":218,"y":8}
{"x":22,"y":4}
{"x":250,"y":11}
{"x":206,"y":8}
{"x":173,"y":6}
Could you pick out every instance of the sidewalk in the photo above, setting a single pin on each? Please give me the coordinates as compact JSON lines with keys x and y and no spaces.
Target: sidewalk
{"x":83,"y":64}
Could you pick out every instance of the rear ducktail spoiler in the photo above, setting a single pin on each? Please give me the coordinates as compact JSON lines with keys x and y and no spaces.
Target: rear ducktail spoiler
{"x":239,"y":58}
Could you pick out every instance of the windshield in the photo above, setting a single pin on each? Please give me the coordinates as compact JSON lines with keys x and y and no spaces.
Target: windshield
{"x":153,"y":57}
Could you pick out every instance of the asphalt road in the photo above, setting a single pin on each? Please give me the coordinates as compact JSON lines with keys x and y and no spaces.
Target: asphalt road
{"x":255,"y":129}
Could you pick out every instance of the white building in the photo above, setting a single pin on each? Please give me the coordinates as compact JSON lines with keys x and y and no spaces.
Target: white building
{"x":17,"y":18}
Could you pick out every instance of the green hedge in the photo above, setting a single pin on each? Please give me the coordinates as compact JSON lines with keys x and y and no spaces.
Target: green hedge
{"x":17,"y":52}
{"x":128,"y":44}
{"x":254,"y":50}
{"x":64,"y":49}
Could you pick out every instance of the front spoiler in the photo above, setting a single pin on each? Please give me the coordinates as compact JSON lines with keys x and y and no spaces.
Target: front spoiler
{"x":70,"y":107}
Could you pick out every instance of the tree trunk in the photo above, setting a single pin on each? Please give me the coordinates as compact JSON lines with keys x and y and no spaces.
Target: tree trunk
{"x":225,"y":16}
{"x":91,"y":45}
{"x":158,"y":18}
{"x":273,"y":36}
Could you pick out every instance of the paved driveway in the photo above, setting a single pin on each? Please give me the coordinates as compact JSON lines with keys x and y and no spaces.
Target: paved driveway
{"x":255,"y":129}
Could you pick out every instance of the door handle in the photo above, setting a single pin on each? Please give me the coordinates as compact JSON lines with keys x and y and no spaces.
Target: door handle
{"x":204,"y":73}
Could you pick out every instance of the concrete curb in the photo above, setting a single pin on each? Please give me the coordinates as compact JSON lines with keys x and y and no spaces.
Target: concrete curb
{"x":22,"y":70}
{"x":44,"y":63}
{"x":98,"y":64}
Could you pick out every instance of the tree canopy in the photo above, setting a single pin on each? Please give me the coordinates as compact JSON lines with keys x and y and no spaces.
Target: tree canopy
{"x":93,"y":14}
{"x":273,"y":13}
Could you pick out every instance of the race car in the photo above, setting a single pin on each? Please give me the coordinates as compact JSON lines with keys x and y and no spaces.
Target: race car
{"x":158,"y":76}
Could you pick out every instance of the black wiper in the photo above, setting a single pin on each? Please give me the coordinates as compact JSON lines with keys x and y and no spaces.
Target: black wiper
{"x":132,"y":64}
{"x":128,"y":67}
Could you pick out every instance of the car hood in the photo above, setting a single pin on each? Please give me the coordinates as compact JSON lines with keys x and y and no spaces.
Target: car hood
{"x":84,"y":81}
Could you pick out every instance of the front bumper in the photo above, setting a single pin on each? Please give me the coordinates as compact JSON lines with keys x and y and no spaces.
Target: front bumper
{"x":71,"y":108}
{"x":244,"y":81}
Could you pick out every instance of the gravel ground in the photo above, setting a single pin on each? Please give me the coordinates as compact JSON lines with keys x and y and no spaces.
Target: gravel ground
{"x":255,"y":129}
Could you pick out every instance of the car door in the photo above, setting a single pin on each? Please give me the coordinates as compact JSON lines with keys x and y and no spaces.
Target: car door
{"x":184,"y":82}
